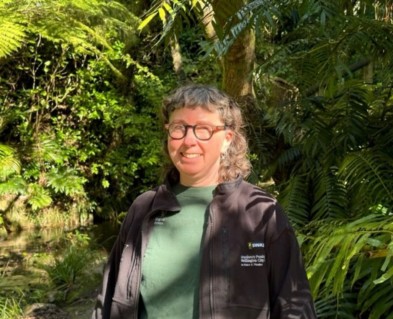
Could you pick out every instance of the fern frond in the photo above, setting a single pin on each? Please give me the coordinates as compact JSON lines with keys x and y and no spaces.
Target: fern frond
{"x":88,"y":25}
{"x":66,"y":182}
{"x":13,"y":185}
{"x":330,"y":196}
{"x":38,"y":197}
{"x":288,"y":157}
{"x":317,"y":136}
{"x":47,"y":149}
{"x":369,"y":173}
{"x":295,"y":200}
{"x":9,"y":164}
{"x":12,"y":35}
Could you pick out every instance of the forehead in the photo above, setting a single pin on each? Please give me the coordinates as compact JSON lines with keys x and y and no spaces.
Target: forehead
{"x":194,"y":114}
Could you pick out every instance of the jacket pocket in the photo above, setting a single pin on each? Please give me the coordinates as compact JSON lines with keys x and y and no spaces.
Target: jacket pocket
{"x":122,"y":309}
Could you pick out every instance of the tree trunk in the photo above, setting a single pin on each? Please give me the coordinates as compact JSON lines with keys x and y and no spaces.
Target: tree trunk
{"x":238,"y":62}
{"x":177,"y":59}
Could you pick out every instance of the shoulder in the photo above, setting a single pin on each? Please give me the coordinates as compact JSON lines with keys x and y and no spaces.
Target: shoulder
{"x":252,"y":191}
{"x":263,"y":207}
{"x":140,"y":206}
{"x":145,"y":197}
{"x":156,"y":199}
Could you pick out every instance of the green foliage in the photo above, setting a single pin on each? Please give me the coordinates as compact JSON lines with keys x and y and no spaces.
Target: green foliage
{"x":85,"y":25}
{"x":73,"y":126}
{"x":10,"y":308}
{"x":353,"y":257}
{"x":170,"y":13}
{"x":38,"y":197}
{"x":79,"y":110}
{"x":322,"y":133}
{"x":8,"y":162}
{"x":12,"y":29}
{"x":369,"y":173}
{"x":69,"y":271}
{"x":323,"y":83}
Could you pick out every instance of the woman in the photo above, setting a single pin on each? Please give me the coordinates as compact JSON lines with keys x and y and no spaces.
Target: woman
{"x":206,"y":244}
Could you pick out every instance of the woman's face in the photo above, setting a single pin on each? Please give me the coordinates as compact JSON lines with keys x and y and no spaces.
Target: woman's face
{"x":196,"y":160}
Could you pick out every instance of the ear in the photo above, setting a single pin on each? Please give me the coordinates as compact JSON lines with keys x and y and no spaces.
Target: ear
{"x":227,"y":141}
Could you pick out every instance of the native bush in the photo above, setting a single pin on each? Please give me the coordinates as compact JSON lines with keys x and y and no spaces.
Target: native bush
{"x":76,"y":133}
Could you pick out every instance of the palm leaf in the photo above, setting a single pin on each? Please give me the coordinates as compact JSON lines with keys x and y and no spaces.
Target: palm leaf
{"x":369,"y":173}
{"x":330,"y":196}
{"x":379,"y":301}
{"x":295,"y":200}
{"x":341,"y":250}
{"x":332,"y":306}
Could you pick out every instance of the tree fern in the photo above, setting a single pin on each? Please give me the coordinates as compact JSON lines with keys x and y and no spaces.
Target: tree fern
{"x":12,"y":34}
{"x":83,"y":24}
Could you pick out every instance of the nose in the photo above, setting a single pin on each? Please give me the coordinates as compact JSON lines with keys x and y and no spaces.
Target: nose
{"x":189,"y":138}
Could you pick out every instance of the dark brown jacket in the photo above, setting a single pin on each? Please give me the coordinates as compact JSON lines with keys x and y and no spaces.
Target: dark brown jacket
{"x":251,"y":264}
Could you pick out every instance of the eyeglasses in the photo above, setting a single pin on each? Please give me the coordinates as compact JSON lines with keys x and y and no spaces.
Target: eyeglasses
{"x":202,"y":132}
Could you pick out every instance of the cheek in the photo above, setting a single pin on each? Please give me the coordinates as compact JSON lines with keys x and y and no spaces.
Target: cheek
{"x":172,"y":147}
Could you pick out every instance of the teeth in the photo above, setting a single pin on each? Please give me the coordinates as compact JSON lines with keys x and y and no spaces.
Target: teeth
{"x":191,"y":155}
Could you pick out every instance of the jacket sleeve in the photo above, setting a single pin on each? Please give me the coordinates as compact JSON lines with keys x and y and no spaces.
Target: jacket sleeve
{"x":288,"y":284}
{"x":104,"y":298}
{"x":102,"y":308}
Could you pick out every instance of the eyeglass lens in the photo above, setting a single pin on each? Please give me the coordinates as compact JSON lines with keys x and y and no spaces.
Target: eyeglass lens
{"x":201,"y":132}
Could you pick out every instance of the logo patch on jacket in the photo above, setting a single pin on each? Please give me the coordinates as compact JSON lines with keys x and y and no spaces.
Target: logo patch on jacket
{"x":160,"y":220}
{"x":252,"y":260}
{"x":255,"y":257}
{"x":254,"y":245}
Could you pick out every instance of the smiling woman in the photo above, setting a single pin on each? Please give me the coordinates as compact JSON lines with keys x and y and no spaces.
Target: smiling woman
{"x":206,"y":243}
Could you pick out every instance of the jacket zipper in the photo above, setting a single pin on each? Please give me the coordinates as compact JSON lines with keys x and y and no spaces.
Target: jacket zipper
{"x":133,"y":288}
{"x":136,"y":288}
{"x":211,"y":253}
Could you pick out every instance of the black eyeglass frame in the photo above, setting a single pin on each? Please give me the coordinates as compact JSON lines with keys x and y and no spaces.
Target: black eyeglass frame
{"x":214,"y":129}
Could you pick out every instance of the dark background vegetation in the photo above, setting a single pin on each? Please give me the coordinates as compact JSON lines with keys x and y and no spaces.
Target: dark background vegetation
{"x":81,"y":83}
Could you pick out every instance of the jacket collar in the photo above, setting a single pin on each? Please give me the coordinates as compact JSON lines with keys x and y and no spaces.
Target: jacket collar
{"x":228,"y":187}
{"x":166,"y":200}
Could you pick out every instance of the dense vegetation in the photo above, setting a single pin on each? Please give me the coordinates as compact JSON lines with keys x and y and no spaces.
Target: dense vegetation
{"x":81,"y":89}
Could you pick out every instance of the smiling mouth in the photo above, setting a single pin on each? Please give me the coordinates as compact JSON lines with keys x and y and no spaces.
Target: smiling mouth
{"x":190,"y":155}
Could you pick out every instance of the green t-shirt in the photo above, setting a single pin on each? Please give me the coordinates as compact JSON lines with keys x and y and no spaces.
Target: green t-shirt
{"x":170,"y":266}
